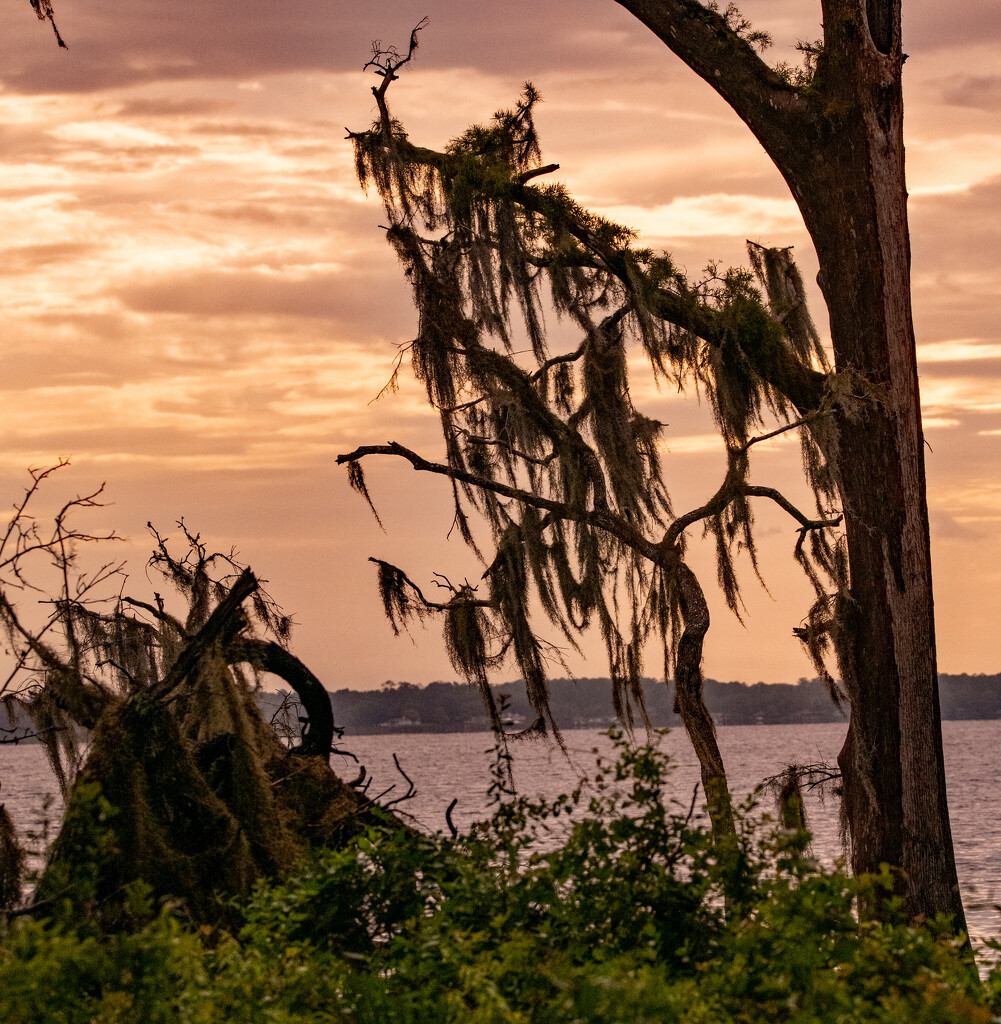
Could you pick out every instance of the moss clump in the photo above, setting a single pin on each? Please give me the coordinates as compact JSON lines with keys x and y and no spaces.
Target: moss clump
{"x":194,"y":796}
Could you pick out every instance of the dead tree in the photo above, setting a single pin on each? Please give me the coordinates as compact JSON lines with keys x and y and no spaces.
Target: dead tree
{"x":184,"y":785}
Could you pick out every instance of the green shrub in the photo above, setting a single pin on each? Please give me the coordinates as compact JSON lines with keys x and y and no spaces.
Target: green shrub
{"x":602,"y":908}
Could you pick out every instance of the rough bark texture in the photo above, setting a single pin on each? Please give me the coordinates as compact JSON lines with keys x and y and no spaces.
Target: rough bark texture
{"x":838,"y":143}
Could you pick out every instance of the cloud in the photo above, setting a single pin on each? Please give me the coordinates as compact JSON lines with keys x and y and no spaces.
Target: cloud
{"x":32,"y":259}
{"x":342,"y":296}
{"x":945,"y":526}
{"x":167,"y":106}
{"x":281,"y":407}
{"x":710,"y":215}
{"x":935,"y":26}
{"x":112,"y":46}
{"x":958,"y":350}
{"x":980,"y":91}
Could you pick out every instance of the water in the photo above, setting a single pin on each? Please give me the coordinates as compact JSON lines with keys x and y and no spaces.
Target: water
{"x":29,"y":791}
{"x":457,"y":765}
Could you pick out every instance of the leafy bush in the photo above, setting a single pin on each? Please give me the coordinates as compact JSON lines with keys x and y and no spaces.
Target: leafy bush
{"x":601,"y":908}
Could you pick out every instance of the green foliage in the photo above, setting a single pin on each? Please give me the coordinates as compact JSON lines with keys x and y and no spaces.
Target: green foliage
{"x":88,"y":848}
{"x":600,"y":908}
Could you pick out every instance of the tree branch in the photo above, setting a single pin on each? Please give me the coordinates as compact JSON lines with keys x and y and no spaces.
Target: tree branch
{"x":806,"y":523}
{"x":437,"y":606}
{"x":730,"y":490}
{"x":776,"y":364}
{"x":602,"y":518}
{"x":535,"y":172}
{"x":387,"y":62}
{"x":785,"y":428}
{"x":157,"y":613}
{"x":43,"y":11}
{"x":266,"y":655}
{"x":803,"y":386}
{"x":226,"y":620}
{"x":704,"y":40}
{"x":499,"y":443}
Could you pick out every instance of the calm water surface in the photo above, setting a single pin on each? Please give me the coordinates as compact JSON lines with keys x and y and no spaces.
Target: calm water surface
{"x":457,"y":765}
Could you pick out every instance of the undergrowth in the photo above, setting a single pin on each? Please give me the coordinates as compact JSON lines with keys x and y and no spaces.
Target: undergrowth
{"x":609,"y":904}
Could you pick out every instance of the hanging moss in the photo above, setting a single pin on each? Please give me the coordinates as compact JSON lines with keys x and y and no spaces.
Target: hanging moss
{"x":549,"y":448}
{"x":157,"y":820}
{"x":196,"y":812}
{"x":476,"y":235}
{"x":185,"y":791}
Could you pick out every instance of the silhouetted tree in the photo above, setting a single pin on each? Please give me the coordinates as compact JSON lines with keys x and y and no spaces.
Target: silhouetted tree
{"x":555,"y":456}
{"x":568,"y":474}
{"x":202,"y":797}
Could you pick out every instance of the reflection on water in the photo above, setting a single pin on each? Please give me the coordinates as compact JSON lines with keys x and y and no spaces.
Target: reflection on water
{"x":457,"y":765}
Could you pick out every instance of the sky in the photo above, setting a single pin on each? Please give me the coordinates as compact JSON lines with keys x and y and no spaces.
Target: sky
{"x":198,"y":305}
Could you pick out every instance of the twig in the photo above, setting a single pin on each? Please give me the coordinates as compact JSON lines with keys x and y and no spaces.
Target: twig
{"x":411,"y":789}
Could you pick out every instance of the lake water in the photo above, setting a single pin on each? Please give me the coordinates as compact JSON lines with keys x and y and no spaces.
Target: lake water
{"x":457,"y":765}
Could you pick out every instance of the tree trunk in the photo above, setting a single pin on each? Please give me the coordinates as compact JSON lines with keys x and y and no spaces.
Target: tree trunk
{"x":855,"y":209}
{"x":838,"y":143}
{"x":690,"y":705}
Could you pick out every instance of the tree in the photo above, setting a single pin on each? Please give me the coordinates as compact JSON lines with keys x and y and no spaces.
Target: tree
{"x":182,"y":784}
{"x":568,"y":474}
{"x":835,"y":133}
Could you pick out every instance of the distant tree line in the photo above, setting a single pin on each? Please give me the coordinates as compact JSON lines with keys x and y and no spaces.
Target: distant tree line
{"x":585,"y":703}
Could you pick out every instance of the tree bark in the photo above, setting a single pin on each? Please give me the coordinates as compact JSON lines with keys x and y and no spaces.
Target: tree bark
{"x":839,"y":145}
{"x":689,"y":702}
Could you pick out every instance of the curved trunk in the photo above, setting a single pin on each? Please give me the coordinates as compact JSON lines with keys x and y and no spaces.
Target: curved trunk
{"x":689,"y":704}
{"x":318,"y":729}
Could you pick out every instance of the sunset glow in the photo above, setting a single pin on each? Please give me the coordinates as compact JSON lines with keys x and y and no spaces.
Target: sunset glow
{"x":199,"y":306}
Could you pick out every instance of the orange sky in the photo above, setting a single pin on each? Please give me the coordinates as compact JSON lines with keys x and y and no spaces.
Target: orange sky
{"x":198,"y":305}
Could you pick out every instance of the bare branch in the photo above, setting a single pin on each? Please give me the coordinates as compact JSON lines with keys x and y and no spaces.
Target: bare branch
{"x":618,"y":526}
{"x":707,"y":41}
{"x":225,"y":621}
{"x":438,"y":606}
{"x":536,"y":172}
{"x":806,"y":523}
{"x":158,"y":613}
{"x":783,"y":429}
{"x":385,"y":63}
{"x":318,"y":733}
{"x":729,"y":491}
